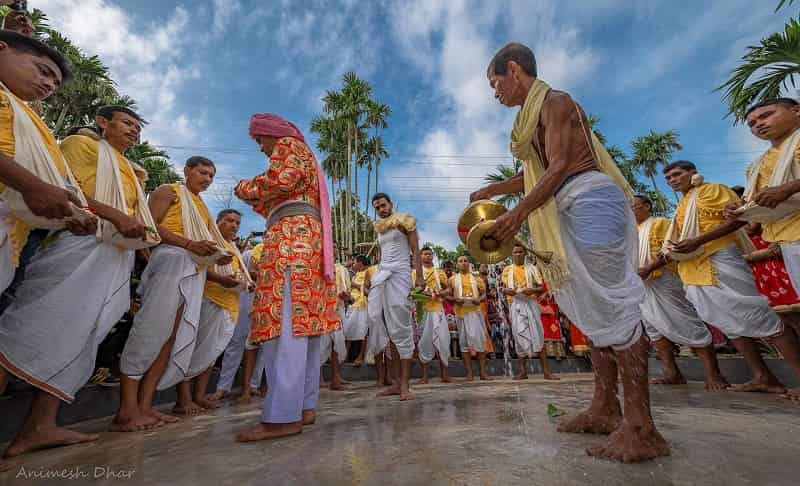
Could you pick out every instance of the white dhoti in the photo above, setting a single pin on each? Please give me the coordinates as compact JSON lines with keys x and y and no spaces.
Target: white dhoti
{"x":292,"y":368}
{"x":74,"y":291}
{"x":600,"y":237}
{"x":389,"y":307}
{"x":333,"y":341}
{"x":526,"y":326}
{"x":668,"y":313}
{"x":236,"y":348}
{"x":470,"y":332}
{"x":791,"y":257}
{"x":171,"y":280}
{"x":377,"y":339}
{"x":357,"y":324}
{"x":735,"y":305}
{"x":435,"y":337}
{"x":213,"y":335}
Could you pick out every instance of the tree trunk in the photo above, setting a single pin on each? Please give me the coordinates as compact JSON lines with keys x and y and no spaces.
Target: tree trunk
{"x":366,"y":200}
{"x":659,"y":202}
{"x":60,"y":121}
{"x":377,"y":165}
{"x":348,"y":207}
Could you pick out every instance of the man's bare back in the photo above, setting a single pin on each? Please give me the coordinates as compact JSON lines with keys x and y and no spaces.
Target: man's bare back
{"x":561,"y":135}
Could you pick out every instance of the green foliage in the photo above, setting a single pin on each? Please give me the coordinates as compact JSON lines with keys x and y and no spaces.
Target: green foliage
{"x":777,"y":57}
{"x":652,"y":152}
{"x":156,"y":163}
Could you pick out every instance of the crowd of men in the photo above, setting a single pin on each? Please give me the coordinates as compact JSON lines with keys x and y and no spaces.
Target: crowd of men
{"x":74,"y":217}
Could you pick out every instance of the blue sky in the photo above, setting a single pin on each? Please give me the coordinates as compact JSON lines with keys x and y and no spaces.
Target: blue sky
{"x":200,"y":68}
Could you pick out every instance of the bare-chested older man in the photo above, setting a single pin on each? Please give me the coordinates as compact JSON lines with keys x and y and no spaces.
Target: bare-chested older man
{"x":585,"y":220}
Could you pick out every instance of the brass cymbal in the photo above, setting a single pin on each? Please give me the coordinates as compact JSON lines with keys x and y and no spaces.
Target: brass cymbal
{"x":487,"y":250}
{"x":479,"y":211}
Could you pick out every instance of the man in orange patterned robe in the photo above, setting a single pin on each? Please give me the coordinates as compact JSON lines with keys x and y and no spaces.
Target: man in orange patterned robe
{"x":295,"y":299}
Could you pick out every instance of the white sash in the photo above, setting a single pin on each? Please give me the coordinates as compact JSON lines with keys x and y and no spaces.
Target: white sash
{"x":108,"y":190}
{"x":342,"y":279}
{"x":460,"y":287}
{"x":690,"y":229}
{"x":785,"y":171}
{"x":644,"y":242}
{"x":196,"y":229}
{"x":31,"y":153}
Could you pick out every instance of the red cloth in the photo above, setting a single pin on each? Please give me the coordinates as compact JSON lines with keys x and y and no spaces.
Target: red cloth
{"x":771,"y":278}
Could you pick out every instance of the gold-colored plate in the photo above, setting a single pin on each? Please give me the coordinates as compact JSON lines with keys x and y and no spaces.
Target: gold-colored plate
{"x":487,"y":250}
{"x":483,"y":210}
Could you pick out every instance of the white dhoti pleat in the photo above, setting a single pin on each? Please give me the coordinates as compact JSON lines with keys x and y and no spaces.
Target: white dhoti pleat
{"x":377,"y":340}
{"x":791,"y":257}
{"x":292,"y":368}
{"x":603,"y":292}
{"x":171,"y":280}
{"x":357,"y":324}
{"x":333,"y":341}
{"x":214,"y":332}
{"x":237,"y":345}
{"x":471,"y":336}
{"x":435,"y":337}
{"x":6,"y":256}
{"x":389,"y":306}
{"x":668,"y":313}
{"x":74,"y":291}
{"x":735,"y":305}
{"x":526,"y":326}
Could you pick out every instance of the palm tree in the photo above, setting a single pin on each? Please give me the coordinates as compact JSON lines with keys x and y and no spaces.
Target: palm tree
{"x":778,"y":56}
{"x":654,"y":150}
{"x":783,"y":3}
{"x":502,"y":173}
{"x":376,"y":118}
{"x":375,"y":152}
{"x":156,"y":163}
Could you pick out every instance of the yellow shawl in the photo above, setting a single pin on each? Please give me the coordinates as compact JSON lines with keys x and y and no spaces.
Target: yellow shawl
{"x":544,"y":222}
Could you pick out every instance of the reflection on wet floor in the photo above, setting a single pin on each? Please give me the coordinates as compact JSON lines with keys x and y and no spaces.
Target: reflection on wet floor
{"x":481,"y":433}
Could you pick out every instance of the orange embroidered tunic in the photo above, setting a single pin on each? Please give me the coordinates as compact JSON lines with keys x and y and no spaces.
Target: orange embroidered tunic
{"x":293,"y":243}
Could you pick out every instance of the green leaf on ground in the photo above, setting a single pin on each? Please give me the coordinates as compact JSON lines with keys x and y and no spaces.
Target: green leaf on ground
{"x":553,"y":411}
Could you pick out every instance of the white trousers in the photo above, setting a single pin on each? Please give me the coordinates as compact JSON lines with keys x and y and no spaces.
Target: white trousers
{"x":213,"y":335}
{"x":603,"y":292}
{"x":668,"y":313}
{"x":171,"y":280}
{"x":435,"y":337}
{"x":791,"y":257}
{"x":471,"y":336}
{"x":73,"y":292}
{"x":292,"y":368}
{"x":526,"y":326}
{"x":389,"y":306}
{"x":735,"y":306}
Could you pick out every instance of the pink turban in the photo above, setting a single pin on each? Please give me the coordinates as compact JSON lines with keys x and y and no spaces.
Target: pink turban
{"x":269,"y":125}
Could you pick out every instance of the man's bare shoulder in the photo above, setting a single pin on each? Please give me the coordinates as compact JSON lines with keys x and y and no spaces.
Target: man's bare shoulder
{"x":558,"y":105}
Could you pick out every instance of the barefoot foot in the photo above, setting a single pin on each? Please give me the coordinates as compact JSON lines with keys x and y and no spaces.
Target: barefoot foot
{"x":189,"y":409}
{"x":669,"y":380}
{"x":716,"y":383}
{"x":161,"y":417}
{"x":244,"y":398}
{"x":551,"y":377}
{"x":392,"y":390}
{"x":46,"y":438}
{"x":793,"y":395}
{"x":337,"y":386}
{"x":133,"y":423}
{"x":632,"y":444}
{"x":422,"y":381}
{"x":269,"y":431}
{"x":217,"y":395}
{"x":208,"y":404}
{"x":309,"y":417}
{"x":591,"y":422}
{"x":358,"y":363}
{"x":760,"y":385}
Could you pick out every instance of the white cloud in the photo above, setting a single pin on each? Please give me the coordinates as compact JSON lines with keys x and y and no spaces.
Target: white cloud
{"x":147,"y":61}
{"x":452,"y":43}
{"x":224,"y":11}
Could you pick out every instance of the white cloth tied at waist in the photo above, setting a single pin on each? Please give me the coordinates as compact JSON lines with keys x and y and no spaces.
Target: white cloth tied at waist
{"x":668,"y":313}
{"x":435,"y":337}
{"x":526,"y":326}
{"x":603,"y":292}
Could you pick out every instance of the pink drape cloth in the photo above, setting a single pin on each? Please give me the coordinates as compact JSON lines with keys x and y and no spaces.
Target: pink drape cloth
{"x":270,"y":125}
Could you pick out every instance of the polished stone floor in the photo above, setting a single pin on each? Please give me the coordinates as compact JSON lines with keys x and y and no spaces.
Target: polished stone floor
{"x":494,"y":433}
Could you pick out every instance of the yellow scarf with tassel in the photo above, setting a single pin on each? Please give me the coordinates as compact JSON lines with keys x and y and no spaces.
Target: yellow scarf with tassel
{"x":544,"y":222}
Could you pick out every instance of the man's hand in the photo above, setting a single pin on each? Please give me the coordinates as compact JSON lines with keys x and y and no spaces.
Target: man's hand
{"x":482,"y":193}
{"x":49,"y":201}
{"x":644,"y":272}
{"x":228,"y":281}
{"x":78,"y":228}
{"x":507,"y":226}
{"x":772,"y":196}
{"x":202,"y":248}
{"x":509,"y":292}
{"x":729,"y":209}
{"x":686,"y":246}
{"x":224,"y":260}
{"x":475,"y":301}
{"x":128,"y":227}
{"x":420,"y":282}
